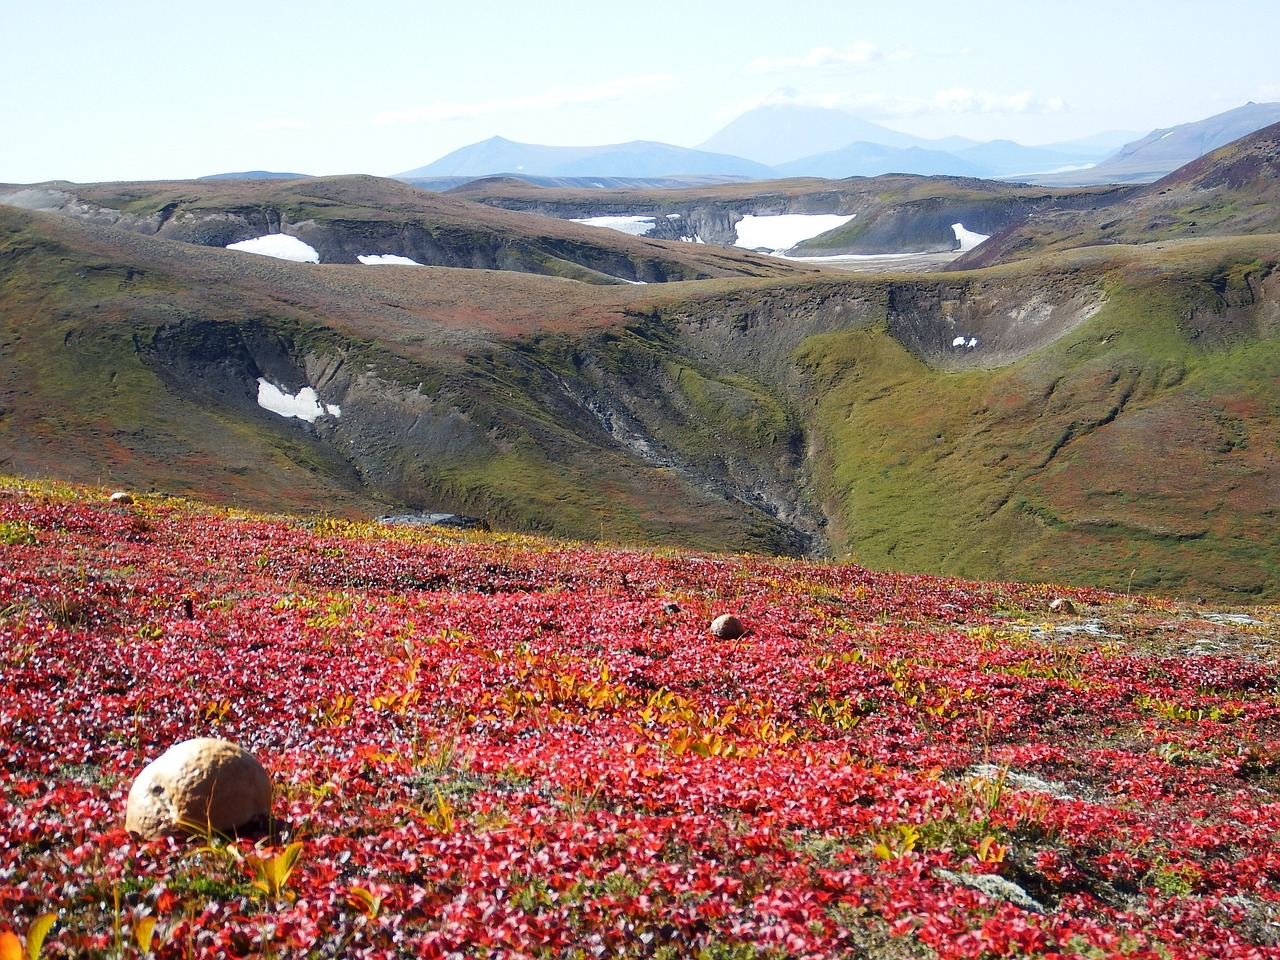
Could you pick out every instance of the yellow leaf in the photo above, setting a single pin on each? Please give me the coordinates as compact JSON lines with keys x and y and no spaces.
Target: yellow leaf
{"x":371,"y":902}
{"x":10,"y":946}
{"x":273,"y":872}
{"x":36,"y":933}
{"x":143,"y":932}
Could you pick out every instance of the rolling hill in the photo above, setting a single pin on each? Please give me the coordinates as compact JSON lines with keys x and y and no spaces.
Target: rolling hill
{"x":344,"y":218}
{"x":1232,"y":191}
{"x":999,"y":421}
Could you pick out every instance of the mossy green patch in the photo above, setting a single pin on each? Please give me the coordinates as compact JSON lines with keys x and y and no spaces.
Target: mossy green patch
{"x":1132,"y":452}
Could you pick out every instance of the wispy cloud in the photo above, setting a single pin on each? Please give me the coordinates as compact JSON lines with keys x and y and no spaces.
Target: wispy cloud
{"x":610,"y":90}
{"x":818,"y":57}
{"x":881,"y":106}
{"x":282,"y":123}
{"x":965,"y":100}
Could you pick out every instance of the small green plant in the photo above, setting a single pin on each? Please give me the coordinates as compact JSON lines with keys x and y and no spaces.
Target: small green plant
{"x":14,"y":534}
{"x":898,"y":842}
{"x":441,"y":816}
{"x":271,"y":873}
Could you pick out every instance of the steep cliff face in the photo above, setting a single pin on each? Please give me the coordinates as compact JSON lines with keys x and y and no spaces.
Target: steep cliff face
{"x":984,"y":322}
{"x":520,"y":428}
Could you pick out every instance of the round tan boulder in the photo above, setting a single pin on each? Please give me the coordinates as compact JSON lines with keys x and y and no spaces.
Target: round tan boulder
{"x":198,"y":786}
{"x":727,"y":627}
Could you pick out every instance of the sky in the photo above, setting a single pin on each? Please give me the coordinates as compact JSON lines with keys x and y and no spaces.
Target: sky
{"x":141,"y":90}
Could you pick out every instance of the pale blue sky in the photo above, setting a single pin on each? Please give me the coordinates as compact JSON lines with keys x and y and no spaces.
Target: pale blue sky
{"x":152,"y":89}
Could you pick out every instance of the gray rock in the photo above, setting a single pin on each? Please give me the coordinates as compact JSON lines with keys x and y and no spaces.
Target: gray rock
{"x":457,"y":521}
{"x":994,"y":886}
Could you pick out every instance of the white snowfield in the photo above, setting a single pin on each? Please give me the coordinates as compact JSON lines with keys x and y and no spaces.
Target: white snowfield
{"x":304,"y":405}
{"x":278,"y":245}
{"x":636,"y":226}
{"x":777,"y":233}
{"x":968,"y":239}
{"x":783,"y":231}
{"x":387,"y":259}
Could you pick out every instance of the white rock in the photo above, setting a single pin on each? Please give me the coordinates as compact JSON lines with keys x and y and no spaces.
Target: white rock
{"x":197,"y":786}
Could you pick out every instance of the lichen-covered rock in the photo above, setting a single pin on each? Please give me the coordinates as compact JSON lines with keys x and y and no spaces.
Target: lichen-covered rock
{"x":198,"y":786}
{"x":727,"y":627}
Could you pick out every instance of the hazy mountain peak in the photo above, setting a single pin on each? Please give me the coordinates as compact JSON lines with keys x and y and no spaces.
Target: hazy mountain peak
{"x":636,"y":158}
{"x":781,"y":132}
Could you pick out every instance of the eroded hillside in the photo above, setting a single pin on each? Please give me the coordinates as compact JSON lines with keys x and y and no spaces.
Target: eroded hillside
{"x":1104,"y":415}
{"x":345,"y":218}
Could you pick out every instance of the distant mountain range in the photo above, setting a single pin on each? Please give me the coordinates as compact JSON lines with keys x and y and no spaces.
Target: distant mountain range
{"x":1163,"y":151}
{"x":793,"y":141}
{"x":639,"y":158}
{"x":777,"y":134}
{"x":255,"y":175}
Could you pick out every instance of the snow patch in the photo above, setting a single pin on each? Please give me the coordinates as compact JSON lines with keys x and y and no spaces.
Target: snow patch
{"x":968,"y":239}
{"x":278,"y":245}
{"x":783,"y":231}
{"x":967,"y":343}
{"x":304,"y":405}
{"x":379,"y":259}
{"x":636,"y":226}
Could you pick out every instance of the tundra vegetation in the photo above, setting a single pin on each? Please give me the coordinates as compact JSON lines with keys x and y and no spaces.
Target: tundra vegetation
{"x":491,"y":745}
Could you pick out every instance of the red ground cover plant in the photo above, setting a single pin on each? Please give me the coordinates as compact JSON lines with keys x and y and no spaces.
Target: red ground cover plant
{"x":495,"y":746}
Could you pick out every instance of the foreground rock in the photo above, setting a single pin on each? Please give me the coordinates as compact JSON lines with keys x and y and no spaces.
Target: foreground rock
{"x":198,"y":786}
{"x":727,"y":627}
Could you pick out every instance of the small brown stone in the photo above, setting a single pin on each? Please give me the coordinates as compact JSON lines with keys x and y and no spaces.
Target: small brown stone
{"x":727,"y":627}
{"x":201,"y":785}
{"x":1062,"y":605}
